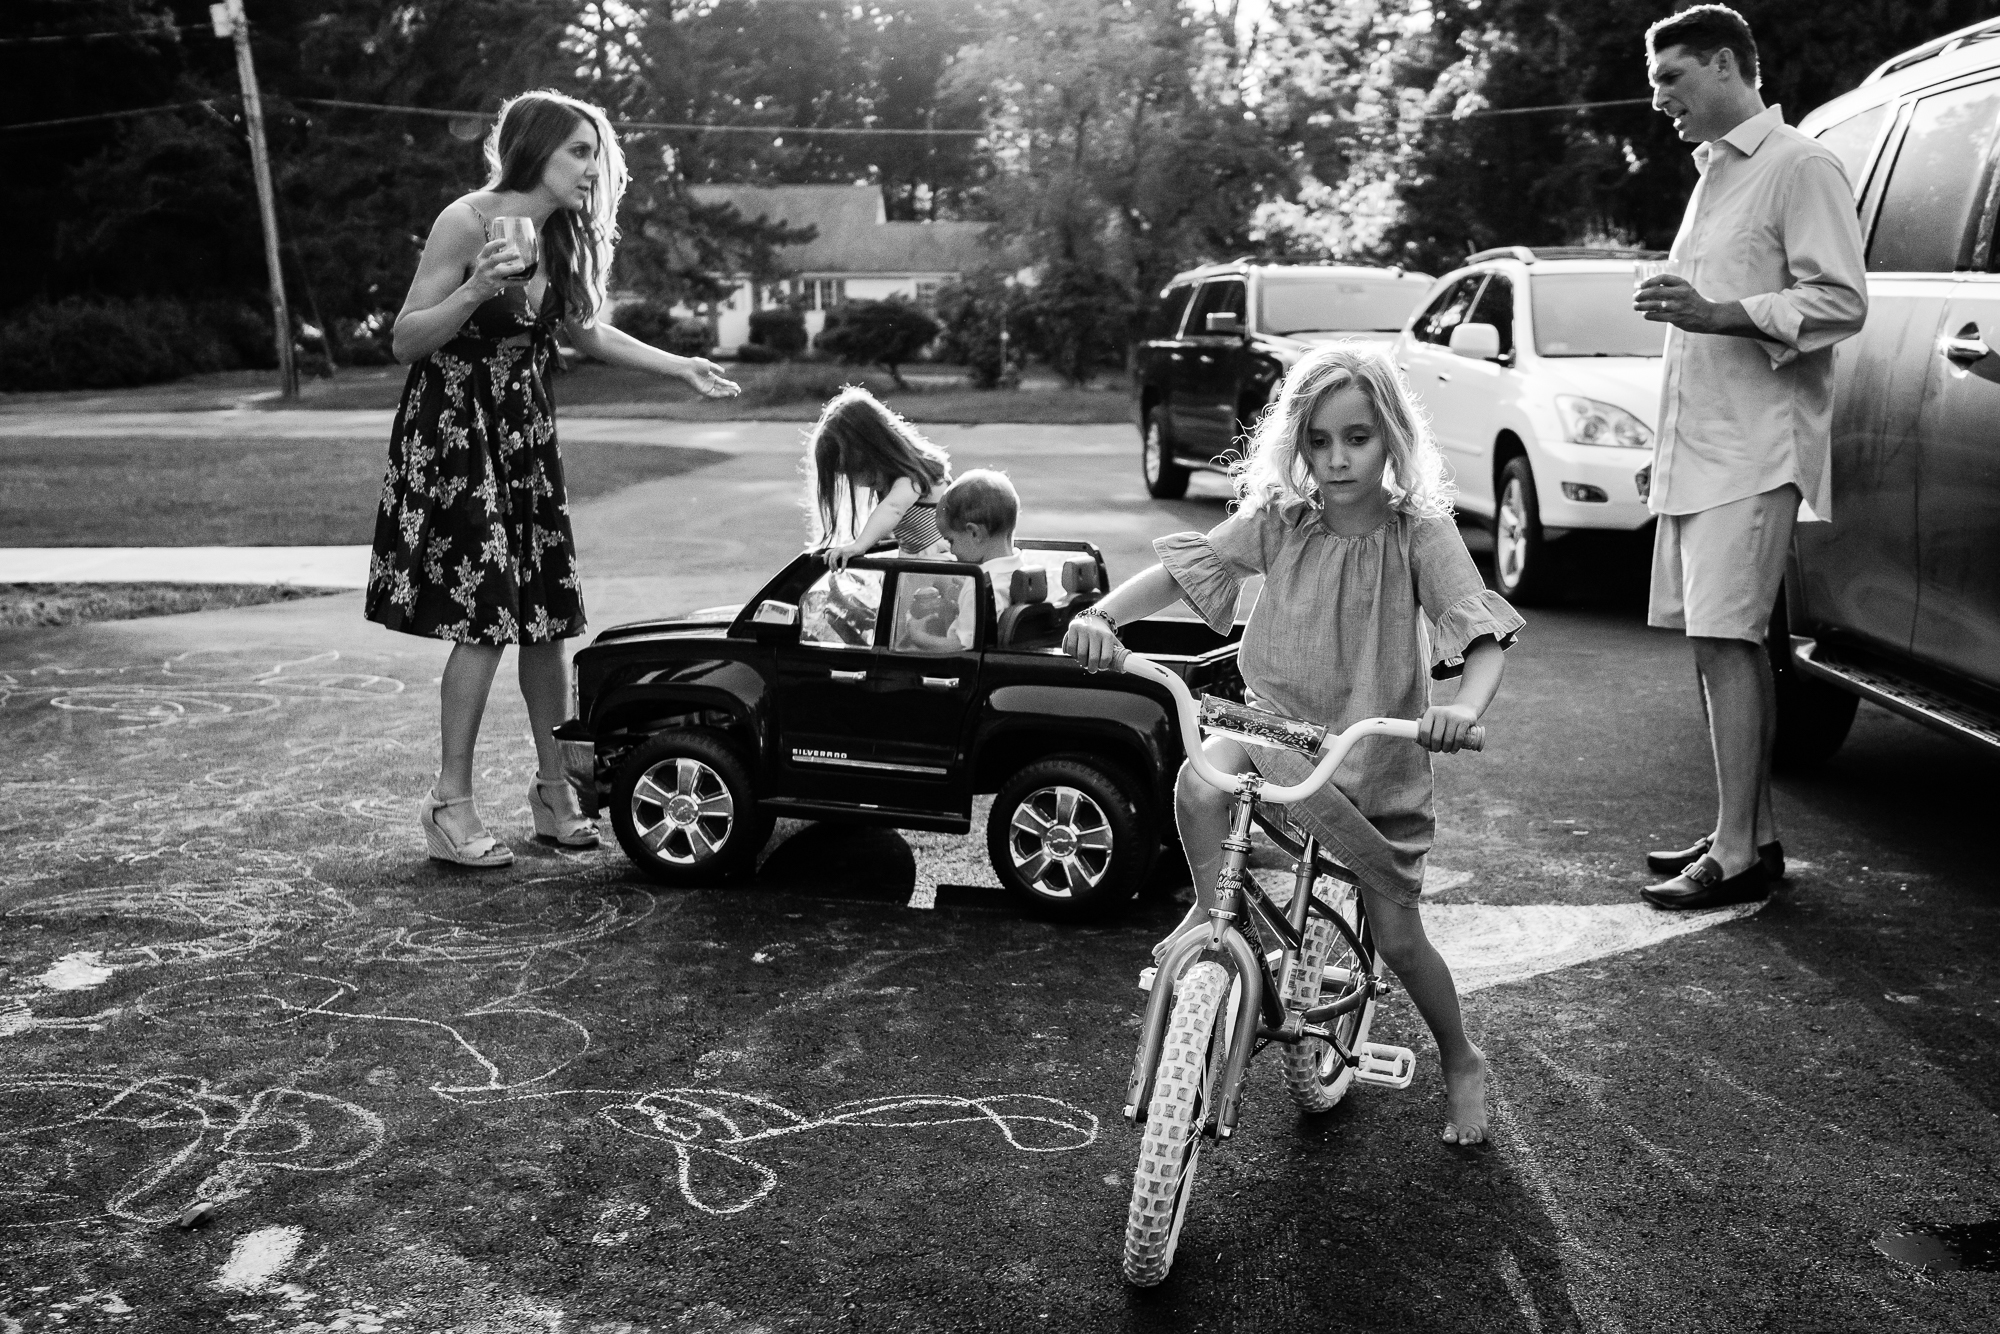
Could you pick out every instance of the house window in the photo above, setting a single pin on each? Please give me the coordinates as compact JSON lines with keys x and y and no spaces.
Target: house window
{"x":824,"y":293}
{"x":927,"y":290}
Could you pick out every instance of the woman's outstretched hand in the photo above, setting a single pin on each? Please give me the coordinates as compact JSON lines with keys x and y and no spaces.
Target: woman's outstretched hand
{"x":1093,"y":643}
{"x":1445,"y":727}
{"x":708,"y":380}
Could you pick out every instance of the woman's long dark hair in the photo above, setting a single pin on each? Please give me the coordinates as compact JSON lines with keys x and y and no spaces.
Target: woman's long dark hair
{"x":861,"y":444}
{"x":576,"y":243}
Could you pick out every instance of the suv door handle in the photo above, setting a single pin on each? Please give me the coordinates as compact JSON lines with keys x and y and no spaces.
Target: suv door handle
{"x":941,"y":682}
{"x":1966,"y":345}
{"x":1444,"y":375}
{"x":848,"y":676}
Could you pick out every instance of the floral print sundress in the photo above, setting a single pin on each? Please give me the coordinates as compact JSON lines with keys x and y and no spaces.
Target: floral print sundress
{"x":472,"y":539}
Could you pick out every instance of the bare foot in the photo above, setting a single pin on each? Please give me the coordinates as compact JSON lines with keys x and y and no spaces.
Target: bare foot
{"x":1196,"y":916}
{"x":1465,"y":1097}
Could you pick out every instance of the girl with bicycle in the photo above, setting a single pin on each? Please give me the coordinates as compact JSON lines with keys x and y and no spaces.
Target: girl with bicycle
{"x":1343,"y":507}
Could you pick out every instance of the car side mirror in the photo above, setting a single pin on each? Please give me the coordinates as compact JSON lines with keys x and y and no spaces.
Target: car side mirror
{"x":1224,"y":322}
{"x":775,"y":620}
{"x":1476,"y":342}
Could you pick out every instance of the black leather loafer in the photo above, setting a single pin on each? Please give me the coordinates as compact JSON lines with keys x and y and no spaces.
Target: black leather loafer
{"x":1771,"y":854}
{"x":1703,"y":885}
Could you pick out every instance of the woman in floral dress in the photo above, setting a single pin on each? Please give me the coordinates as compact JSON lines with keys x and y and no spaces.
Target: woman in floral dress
{"x":472,"y":542}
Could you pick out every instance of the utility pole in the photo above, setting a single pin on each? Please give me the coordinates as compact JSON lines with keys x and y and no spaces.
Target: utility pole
{"x":229,"y":21}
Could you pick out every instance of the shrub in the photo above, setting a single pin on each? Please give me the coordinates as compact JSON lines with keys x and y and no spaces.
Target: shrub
{"x":971,"y":311}
{"x":82,"y":344}
{"x":782,"y":330}
{"x":756,"y":354}
{"x":366,"y":342}
{"x":655,"y":322}
{"x":1077,"y":319}
{"x":804,"y":382}
{"x":878,"y":333}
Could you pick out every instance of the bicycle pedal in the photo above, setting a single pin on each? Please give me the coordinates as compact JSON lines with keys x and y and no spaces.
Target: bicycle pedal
{"x":1146,"y":976}
{"x":1391,"y":1067}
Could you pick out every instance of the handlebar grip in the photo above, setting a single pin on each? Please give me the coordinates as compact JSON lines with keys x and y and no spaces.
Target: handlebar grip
{"x":1475,"y":738}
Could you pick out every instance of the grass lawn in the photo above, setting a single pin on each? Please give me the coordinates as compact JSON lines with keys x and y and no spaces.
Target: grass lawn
{"x":138,"y":492}
{"x":40,"y":606}
{"x":793,"y":392}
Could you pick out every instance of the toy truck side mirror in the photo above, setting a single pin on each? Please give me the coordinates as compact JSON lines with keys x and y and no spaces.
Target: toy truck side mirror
{"x":775,"y":621}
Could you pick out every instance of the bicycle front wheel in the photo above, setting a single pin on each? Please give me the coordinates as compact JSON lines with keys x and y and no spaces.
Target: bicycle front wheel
{"x":1334,"y":962}
{"x":1184,"y":1089}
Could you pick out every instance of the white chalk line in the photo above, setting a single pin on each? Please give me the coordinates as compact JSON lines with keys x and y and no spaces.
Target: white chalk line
{"x":189,"y":695}
{"x":1587,"y":1087}
{"x":257,"y":1257}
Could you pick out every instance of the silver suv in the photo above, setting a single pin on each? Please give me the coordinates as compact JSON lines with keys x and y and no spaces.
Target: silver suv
{"x":1898,"y":599}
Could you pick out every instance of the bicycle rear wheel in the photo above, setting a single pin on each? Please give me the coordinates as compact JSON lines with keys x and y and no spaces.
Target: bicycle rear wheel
{"x":1333,"y":964}
{"x":1183,"y":1092}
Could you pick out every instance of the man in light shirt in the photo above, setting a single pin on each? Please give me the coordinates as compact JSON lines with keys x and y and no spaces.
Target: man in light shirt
{"x":1768,"y":276}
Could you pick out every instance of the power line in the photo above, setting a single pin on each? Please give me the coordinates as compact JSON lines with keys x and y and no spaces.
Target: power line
{"x":160,"y":31}
{"x":113,"y":115}
{"x":1523,"y":111}
{"x":643,"y":124}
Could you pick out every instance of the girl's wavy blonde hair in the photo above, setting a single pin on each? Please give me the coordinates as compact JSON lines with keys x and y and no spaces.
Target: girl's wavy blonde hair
{"x":1275,"y":468}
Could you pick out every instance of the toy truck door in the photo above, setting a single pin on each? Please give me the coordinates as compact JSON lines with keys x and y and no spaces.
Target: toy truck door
{"x":826,"y":685}
{"x":926,"y":679}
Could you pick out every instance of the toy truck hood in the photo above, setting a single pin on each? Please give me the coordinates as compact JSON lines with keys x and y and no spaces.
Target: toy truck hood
{"x":708,"y":622}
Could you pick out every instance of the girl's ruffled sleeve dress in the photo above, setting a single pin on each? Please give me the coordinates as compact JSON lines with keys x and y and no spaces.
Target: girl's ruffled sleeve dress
{"x":1347,"y":628}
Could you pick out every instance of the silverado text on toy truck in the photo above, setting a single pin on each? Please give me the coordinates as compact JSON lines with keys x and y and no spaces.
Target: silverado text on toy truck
{"x":890,"y":693}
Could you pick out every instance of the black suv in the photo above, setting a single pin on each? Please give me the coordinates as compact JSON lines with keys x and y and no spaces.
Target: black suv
{"x":1897,"y":600}
{"x":1224,"y":336}
{"x":889,"y":693}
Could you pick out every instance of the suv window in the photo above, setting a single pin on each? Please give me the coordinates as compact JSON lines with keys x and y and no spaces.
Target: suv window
{"x":1850,"y":139}
{"x":1218,"y":296}
{"x":1496,"y":307}
{"x":840,"y":609}
{"x":1310,"y":303}
{"x":934,"y":613}
{"x":1166,"y":320}
{"x":1926,"y":209}
{"x":1448,"y":311}
{"x":1591,"y":315}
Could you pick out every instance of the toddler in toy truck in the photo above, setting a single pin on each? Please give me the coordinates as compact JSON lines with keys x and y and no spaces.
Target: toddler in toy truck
{"x":976,"y":517}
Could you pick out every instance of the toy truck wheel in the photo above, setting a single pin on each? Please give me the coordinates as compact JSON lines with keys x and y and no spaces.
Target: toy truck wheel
{"x":1068,"y":834}
{"x":685,"y":811}
{"x":1165,"y":479}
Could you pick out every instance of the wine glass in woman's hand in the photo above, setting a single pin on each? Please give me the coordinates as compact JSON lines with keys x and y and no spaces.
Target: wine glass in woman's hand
{"x":520,"y":233}
{"x":709,"y":381}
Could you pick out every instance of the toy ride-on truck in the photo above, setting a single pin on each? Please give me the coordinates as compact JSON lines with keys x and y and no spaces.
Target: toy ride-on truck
{"x":889,"y":693}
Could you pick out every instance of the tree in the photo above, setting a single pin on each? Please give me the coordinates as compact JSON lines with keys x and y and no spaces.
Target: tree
{"x":878,"y":333}
{"x":1123,"y":140}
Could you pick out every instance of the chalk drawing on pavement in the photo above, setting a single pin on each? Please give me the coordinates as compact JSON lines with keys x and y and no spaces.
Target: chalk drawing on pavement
{"x":517,"y":920}
{"x":709,"y":1130}
{"x":196,"y":686}
{"x":192,"y":1142}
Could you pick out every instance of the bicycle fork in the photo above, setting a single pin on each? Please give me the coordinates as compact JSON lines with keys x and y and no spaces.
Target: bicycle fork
{"x":1221,"y":937}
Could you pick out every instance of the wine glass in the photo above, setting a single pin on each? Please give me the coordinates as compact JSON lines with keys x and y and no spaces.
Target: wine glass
{"x":521,"y":233}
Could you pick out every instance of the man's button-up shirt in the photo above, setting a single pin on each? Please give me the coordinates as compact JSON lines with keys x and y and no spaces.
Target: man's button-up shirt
{"x":1771,"y":224}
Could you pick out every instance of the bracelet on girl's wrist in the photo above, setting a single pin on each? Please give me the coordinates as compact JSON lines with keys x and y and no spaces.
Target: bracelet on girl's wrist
{"x":1099,"y":614}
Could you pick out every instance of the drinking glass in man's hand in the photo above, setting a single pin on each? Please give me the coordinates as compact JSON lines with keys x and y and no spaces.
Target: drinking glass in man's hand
{"x":520,"y":233}
{"x":1654,"y":268}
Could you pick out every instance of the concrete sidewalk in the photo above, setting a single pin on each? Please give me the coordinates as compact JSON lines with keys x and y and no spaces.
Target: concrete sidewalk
{"x":305,"y":567}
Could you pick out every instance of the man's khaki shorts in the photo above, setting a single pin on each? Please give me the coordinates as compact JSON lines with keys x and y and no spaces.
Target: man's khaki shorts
{"x":1716,"y":572}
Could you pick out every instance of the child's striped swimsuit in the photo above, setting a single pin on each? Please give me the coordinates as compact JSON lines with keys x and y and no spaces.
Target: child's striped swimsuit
{"x":917,"y":531}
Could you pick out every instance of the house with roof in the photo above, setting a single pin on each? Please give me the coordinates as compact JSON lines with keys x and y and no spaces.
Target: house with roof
{"x":857,"y":254}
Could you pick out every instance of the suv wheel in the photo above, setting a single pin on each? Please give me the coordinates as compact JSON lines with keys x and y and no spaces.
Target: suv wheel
{"x":1520,"y":553}
{"x":1069,"y":835}
{"x":685,"y":811}
{"x":1813,"y":717}
{"x":1165,"y":479}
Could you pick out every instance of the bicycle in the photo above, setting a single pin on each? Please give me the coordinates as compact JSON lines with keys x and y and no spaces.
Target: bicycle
{"x":1216,"y":999}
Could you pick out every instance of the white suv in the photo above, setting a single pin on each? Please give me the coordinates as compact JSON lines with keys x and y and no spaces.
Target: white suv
{"x":1543,"y":387}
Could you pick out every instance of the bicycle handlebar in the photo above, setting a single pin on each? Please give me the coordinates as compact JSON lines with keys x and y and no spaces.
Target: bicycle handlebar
{"x":1138,"y":664}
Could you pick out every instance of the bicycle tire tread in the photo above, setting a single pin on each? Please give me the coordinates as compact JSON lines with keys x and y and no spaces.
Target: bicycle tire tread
{"x":1172,"y":1142}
